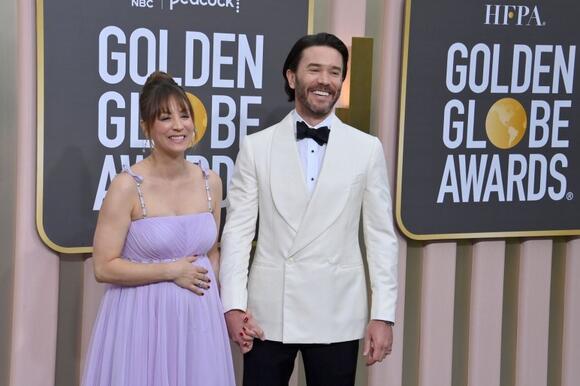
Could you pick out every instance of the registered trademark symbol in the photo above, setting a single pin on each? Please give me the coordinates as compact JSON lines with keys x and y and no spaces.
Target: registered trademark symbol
{"x":569,"y":196}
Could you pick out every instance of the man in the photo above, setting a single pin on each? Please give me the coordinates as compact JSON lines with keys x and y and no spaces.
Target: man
{"x":308,"y":177}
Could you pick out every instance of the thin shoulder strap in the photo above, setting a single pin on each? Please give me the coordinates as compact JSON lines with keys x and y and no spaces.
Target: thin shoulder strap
{"x":206,"y":181}
{"x":138,"y":181}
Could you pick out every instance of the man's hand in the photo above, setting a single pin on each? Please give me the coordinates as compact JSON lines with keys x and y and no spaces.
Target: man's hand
{"x":242,"y":329}
{"x":378,"y":341}
{"x":251,"y":328}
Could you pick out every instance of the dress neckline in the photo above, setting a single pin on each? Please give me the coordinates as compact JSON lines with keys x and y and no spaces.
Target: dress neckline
{"x":171,"y":215}
{"x":139,"y":180}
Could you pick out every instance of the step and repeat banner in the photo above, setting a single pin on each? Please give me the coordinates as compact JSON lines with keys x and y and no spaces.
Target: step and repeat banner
{"x":489,"y":141}
{"x":93,"y":58}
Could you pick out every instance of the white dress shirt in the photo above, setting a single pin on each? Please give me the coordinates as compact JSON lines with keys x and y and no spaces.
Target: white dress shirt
{"x":311,"y":154}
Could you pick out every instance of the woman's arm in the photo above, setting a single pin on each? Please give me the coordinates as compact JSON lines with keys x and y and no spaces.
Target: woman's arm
{"x":112,"y":227}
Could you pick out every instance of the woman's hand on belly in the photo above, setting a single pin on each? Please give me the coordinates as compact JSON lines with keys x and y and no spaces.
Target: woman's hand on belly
{"x":190,"y":276}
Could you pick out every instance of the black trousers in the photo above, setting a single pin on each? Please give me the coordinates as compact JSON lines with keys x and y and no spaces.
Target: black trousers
{"x":271,"y":363}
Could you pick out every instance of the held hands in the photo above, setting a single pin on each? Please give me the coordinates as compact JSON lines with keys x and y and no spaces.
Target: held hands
{"x":378,"y":341}
{"x":189,"y":276}
{"x":242,"y":328}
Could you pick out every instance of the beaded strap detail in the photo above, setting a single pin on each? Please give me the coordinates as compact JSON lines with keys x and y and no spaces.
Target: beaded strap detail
{"x":207,"y":190}
{"x":138,"y":181}
{"x":141,"y":200}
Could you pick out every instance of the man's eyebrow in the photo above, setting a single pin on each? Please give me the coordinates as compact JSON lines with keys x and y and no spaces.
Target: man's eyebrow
{"x":314,"y":64}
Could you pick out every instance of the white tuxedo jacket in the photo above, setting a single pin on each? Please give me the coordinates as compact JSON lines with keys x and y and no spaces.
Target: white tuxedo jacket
{"x":307,"y":279}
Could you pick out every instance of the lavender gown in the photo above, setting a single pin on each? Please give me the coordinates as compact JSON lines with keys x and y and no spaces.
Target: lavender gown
{"x":161,"y":334}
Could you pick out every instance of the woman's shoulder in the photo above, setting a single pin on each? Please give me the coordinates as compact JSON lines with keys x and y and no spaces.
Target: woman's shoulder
{"x":202,"y":171}
{"x":121,"y":194}
{"x":125,"y":182}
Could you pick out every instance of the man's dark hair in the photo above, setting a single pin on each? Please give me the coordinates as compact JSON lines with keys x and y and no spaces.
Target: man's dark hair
{"x":295,"y":54}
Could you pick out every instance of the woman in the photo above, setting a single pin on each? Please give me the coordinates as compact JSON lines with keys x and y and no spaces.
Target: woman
{"x":161,"y":321}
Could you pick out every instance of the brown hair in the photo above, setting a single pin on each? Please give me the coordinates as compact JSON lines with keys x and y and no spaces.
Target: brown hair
{"x":158,"y":90}
{"x":295,"y":55}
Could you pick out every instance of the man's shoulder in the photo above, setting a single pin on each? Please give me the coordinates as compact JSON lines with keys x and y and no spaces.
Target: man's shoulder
{"x":268,"y":132}
{"x":358,"y":135}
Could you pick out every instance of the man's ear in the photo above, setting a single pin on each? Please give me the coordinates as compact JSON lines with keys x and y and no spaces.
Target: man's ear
{"x":291,"y":76}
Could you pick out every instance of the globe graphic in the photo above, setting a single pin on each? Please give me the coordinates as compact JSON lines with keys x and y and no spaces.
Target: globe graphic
{"x":199,"y":116}
{"x":506,"y":123}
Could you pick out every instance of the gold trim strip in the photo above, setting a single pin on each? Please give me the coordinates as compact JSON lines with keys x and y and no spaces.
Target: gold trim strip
{"x":557,"y":311}
{"x":403,"y":96}
{"x":310,"y":16}
{"x":412,"y":313}
{"x":488,"y":235}
{"x":509,"y":312}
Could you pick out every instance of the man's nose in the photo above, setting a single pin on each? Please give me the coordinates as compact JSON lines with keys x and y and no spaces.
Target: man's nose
{"x":323,"y":77}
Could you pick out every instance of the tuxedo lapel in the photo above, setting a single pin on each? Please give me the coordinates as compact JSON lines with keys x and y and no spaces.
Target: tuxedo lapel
{"x":332,"y":189}
{"x":289,"y":191}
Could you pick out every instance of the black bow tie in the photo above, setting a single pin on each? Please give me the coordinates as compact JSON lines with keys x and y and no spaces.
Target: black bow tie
{"x":319,"y":135}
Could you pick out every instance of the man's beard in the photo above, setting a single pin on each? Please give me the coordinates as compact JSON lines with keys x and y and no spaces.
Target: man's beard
{"x":301,"y":94}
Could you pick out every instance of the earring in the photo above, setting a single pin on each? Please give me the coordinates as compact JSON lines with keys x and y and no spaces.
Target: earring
{"x":147,"y":145}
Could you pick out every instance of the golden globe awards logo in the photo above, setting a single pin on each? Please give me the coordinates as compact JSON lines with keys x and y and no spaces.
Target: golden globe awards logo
{"x":211,"y":48}
{"x":521,"y":152}
{"x":488,"y":138}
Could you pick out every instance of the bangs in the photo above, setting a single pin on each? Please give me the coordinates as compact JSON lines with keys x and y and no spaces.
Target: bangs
{"x":163,"y":105}
{"x":159,"y":103}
